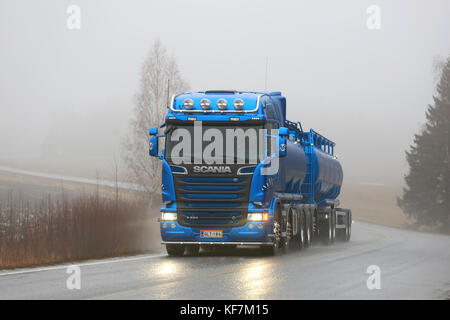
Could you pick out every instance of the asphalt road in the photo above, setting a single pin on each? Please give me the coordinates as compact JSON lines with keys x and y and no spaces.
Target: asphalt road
{"x":412,"y":265}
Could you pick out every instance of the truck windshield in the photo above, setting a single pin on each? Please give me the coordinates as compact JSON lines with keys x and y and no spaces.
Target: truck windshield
{"x":214,"y":143}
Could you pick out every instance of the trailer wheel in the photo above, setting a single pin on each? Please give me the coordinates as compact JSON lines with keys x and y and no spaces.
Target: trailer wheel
{"x":308,"y":225}
{"x":295,"y":223}
{"x":316,"y":224}
{"x":345,"y":233}
{"x":328,"y":228}
{"x":175,"y":250}
{"x":333,"y":225}
{"x":349,"y":226}
{"x":301,"y":229}
{"x":297,"y":241}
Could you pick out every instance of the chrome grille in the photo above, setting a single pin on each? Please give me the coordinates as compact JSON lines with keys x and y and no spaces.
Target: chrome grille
{"x":212,"y":201}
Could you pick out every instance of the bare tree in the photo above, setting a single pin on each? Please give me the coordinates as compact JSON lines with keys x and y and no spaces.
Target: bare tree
{"x":160,"y":79}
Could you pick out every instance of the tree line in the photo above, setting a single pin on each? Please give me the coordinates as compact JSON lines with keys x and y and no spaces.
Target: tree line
{"x":426,"y":197}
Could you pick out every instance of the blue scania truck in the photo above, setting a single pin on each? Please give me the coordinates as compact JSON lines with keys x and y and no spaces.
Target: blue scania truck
{"x":285,"y":199}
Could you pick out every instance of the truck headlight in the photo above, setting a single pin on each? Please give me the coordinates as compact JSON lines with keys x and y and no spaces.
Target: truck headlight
{"x":258,"y":216}
{"x":168,"y":216}
{"x":188,"y":104}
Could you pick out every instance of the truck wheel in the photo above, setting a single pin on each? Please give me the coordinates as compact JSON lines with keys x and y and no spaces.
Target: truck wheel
{"x":192,"y":250}
{"x":279,"y":225}
{"x":333,"y":225}
{"x":328,"y":228}
{"x":301,"y":230}
{"x":341,"y":234}
{"x":345,"y":233}
{"x":316,"y":225}
{"x":295,"y":221}
{"x":349,"y":226}
{"x":175,"y":250}
{"x":308,"y":228}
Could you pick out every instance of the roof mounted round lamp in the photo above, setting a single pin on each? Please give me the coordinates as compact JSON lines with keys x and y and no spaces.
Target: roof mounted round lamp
{"x":238,"y":104}
{"x":205,"y":104}
{"x":222,"y":104}
{"x":188,"y":104}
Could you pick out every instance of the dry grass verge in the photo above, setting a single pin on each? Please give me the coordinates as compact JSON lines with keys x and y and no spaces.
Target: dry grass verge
{"x":83,"y":227}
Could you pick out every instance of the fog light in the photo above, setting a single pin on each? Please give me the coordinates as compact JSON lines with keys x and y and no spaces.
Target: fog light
{"x":250,"y":226}
{"x":164,"y":225}
{"x":173,"y":225}
{"x":168,"y":216}
{"x":260,"y":225}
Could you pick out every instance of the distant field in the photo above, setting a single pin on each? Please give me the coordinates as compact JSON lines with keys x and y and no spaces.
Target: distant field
{"x":374,"y":203}
{"x":371,"y":203}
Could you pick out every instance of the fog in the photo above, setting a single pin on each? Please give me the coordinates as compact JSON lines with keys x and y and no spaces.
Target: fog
{"x":68,"y":94}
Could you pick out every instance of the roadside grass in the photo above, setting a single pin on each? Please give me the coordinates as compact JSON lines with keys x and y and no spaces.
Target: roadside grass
{"x":71,"y":228}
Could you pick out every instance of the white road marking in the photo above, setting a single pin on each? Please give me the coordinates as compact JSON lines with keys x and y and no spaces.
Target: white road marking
{"x":60,"y":267}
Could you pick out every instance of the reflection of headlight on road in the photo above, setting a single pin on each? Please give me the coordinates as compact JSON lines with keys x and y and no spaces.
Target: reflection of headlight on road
{"x":255,"y":272}
{"x":254,"y":276}
{"x":255,"y":279}
{"x":167,"y":268}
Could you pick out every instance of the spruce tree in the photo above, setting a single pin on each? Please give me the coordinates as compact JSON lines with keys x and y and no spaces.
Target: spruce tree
{"x":426,"y":198}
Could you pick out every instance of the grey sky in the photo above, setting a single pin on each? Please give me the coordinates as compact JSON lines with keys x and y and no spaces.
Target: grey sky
{"x":365,"y":89}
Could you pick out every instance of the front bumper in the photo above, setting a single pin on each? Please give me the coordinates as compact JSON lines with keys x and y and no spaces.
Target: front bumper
{"x":251,"y":233}
{"x":218,"y":243}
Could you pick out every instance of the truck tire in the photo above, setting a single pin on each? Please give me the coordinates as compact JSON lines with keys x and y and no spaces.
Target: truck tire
{"x":296,"y":221}
{"x":279,"y":227}
{"x":328,"y":228}
{"x":333,"y":226}
{"x":175,"y":250}
{"x":316,"y":224}
{"x":279,"y":243}
{"x":192,"y":250}
{"x":349,"y":229}
{"x":308,"y":225}
{"x":301,"y":230}
{"x":344,"y":234}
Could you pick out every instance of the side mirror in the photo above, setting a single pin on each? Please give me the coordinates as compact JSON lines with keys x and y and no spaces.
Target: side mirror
{"x":153,"y":131}
{"x":283,"y":133}
{"x":153,"y":146}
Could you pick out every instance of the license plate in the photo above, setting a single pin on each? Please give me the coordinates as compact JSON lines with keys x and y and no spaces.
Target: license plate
{"x":211,"y":234}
